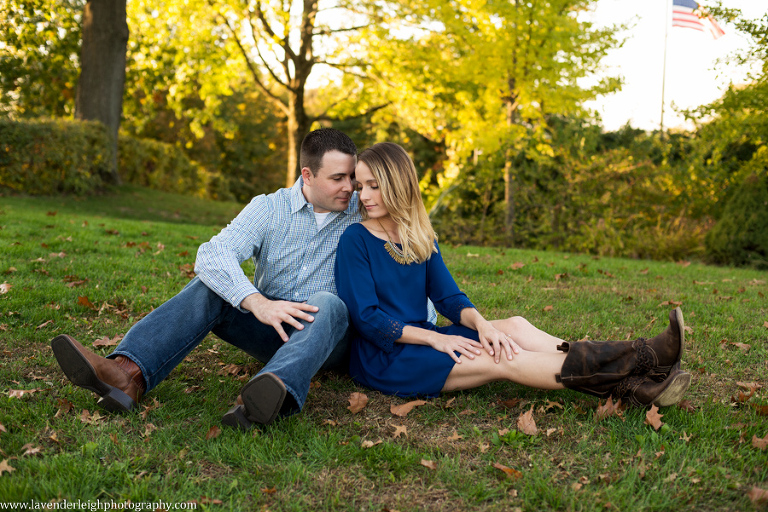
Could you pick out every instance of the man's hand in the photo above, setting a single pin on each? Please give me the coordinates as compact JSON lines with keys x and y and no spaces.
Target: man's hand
{"x":277,"y":312}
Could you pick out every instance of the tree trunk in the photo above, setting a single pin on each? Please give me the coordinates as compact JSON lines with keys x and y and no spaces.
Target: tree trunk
{"x":509,"y":170}
{"x":298,"y":126}
{"x":102,"y":75}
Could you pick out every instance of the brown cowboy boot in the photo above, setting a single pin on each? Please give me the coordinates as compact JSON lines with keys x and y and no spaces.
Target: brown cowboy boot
{"x":668,"y":347}
{"x":642,"y":391}
{"x":596,"y":367}
{"x":119,"y":382}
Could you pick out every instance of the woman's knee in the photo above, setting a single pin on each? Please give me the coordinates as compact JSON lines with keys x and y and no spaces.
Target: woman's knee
{"x":515,"y":325}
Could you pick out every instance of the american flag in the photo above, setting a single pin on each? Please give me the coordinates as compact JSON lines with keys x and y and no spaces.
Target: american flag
{"x":686,"y":13}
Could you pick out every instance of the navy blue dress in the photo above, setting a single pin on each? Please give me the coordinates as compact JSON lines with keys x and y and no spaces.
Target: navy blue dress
{"x":384,"y":296}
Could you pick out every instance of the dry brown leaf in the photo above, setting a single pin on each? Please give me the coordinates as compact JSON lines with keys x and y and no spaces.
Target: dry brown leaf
{"x":762,"y":410}
{"x":44,"y":324}
{"x":149,"y":407}
{"x":526,"y":423}
{"x":517,"y":265}
{"x":2,"y":428}
{"x":429,"y":464}
{"x":749,"y":386}
{"x":548,"y":308}
{"x":653,"y":418}
{"x":269,"y":490}
{"x":107,"y":342}
{"x":686,"y":406}
{"x":150,"y":427}
{"x":399,"y":430}
{"x":454,"y":437}
{"x":357,"y":402}
{"x":5,"y":467}
{"x":765,"y":324}
{"x":756,"y":495}
{"x":19,"y":393}
{"x":29,"y":449}
{"x":5,"y":288}
{"x":213,"y":432}
{"x":510,"y":472}
{"x":370,"y":444}
{"x":685,"y":437}
{"x":760,"y":443}
{"x":608,"y":409}
{"x":671,"y":303}
{"x":85,"y":301}
{"x":403,"y":409}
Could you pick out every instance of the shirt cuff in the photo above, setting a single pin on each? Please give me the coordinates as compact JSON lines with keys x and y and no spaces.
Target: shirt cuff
{"x":239,"y":293}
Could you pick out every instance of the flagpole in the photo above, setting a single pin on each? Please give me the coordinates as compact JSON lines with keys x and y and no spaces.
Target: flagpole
{"x":664,"y":70}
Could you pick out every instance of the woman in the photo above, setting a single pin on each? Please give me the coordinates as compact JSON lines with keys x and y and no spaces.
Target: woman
{"x":389,"y":264}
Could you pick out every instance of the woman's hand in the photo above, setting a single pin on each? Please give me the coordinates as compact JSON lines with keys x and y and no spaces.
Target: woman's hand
{"x":452,"y":344}
{"x":494,"y":341}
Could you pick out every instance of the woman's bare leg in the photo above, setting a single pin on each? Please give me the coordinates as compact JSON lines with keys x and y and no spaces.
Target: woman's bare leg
{"x":526,"y":335}
{"x":534,"y":369}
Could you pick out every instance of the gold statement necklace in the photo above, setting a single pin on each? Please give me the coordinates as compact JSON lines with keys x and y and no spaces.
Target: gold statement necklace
{"x":393,"y":250}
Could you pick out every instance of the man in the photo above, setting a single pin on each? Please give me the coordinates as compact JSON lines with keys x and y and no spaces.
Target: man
{"x":289,"y":317}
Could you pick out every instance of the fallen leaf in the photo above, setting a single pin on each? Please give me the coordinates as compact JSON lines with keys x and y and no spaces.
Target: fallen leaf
{"x":429,"y":464}
{"x":44,"y":324}
{"x":685,"y":437}
{"x":150,"y":427}
{"x":653,"y":418}
{"x":370,"y":444}
{"x":84,"y":301}
{"x":467,"y":412}
{"x":526,"y":424}
{"x":756,"y":495}
{"x":87,"y":417}
{"x":762,"y":410}
{"x":402,"y":410}
{"x":517,"y":265}
{"x":608,"y":409}
{"x":548,"y":308}
{"x":5,"y":467}
{"x":29,"y":449}
{"x":213,"y":432}
{"x":511,"y":403}
{"x":760,"y":443}
{"x":510,"y":472}
{"x":2,"y":428}
{"x":107,"y":342}
{"x":149,"y":407}
{"x":553,"y":405}
{"x":671,"y":303}
{"x":19,"y":393}
{"x":399,"y":430}
{"x":503,"y":432}
{"x":269,"y":490}
{"x":576,"y":486}
{"x":357,"y":402}
{"x":5,"y":288}
{"x":749,"y":386}
{"x":454,"y":437}
{"x":671,"y":478}
{"x":64,"y":407}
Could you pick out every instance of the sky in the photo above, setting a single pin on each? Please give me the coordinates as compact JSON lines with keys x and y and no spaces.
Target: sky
{"x":693,"y":76}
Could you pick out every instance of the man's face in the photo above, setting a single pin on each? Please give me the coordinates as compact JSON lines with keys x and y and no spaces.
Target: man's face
{"x":331,"y":189}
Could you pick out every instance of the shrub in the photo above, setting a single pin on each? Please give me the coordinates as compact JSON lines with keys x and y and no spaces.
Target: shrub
{"x":165,"y":167}
{"x":53,"y":156}
{"x":740,"y":237}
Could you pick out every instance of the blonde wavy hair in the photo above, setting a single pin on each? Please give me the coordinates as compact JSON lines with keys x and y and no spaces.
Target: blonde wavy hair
{"x":396,"y":176}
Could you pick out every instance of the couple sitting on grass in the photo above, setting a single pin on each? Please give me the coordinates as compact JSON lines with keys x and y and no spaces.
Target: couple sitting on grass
{"x":386,"y":270}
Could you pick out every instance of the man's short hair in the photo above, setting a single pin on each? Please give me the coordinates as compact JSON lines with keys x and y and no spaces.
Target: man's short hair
{"x":317,"y":143}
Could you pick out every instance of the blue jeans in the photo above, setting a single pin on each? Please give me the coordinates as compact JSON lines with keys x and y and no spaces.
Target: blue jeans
{"x":163,"y":338}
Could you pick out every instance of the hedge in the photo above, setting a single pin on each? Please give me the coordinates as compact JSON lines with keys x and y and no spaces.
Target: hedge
{"x":53,"y":156}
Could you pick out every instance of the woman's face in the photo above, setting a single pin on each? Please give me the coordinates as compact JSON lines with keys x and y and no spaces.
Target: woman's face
{"x":370,"y":194}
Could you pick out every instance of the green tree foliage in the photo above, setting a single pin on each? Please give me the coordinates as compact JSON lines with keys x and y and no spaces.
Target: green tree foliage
{"x":741,"y":235}
{"x":484,"y":76}
{"x":39,"y":56}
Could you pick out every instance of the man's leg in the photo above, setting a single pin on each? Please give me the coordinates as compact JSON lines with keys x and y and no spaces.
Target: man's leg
{"x":156,"y":344}
{"x":281,"y":387}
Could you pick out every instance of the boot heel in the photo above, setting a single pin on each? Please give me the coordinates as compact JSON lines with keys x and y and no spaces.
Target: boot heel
{"x":116,"y":401}
{"x":674,"y":391}
{"x":236,"y":418}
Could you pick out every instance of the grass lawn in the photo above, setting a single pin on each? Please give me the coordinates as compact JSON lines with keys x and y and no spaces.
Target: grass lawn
{"x":91,"y":268}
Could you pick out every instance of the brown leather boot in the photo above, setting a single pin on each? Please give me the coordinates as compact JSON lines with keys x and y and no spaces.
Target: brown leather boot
{"x":119,"y":382}
{"x":260,"y":401}
{"x":642,"y":391}
{"x":667,"y":348}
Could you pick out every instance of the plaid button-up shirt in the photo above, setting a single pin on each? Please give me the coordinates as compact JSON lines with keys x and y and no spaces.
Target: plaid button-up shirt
{"x":294,"y":259}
